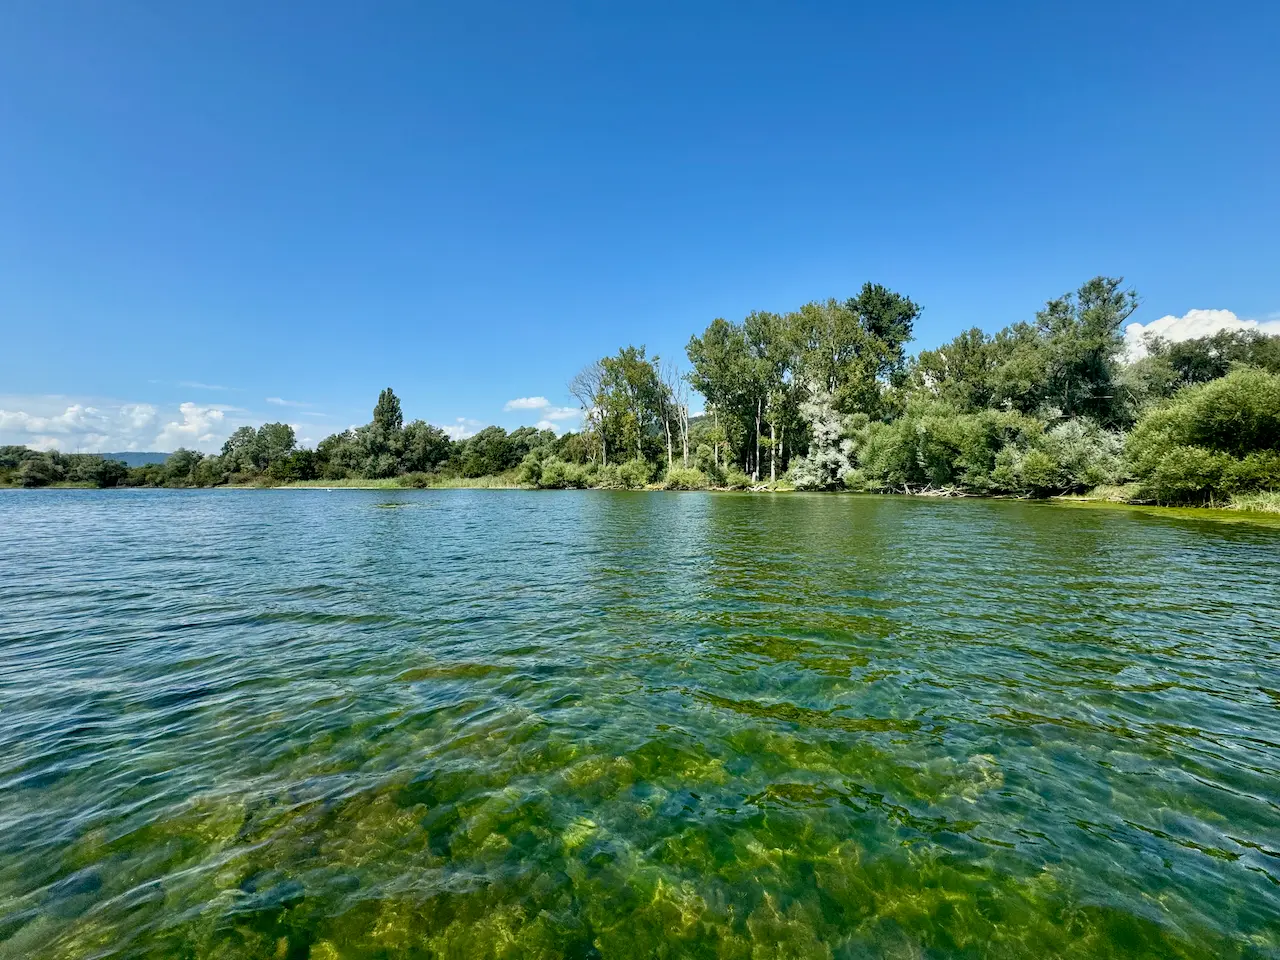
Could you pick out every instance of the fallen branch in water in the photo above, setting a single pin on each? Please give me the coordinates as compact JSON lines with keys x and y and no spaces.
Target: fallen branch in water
{"x":929,"y":490}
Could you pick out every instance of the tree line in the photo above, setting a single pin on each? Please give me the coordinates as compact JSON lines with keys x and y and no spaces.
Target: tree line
{"x":826,"y":397}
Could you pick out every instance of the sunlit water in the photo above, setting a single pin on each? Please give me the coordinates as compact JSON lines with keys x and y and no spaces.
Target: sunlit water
{"x":481,"y":723}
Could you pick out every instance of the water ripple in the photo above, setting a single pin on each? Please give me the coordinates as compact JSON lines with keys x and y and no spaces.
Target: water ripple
{"x":294,"y":724}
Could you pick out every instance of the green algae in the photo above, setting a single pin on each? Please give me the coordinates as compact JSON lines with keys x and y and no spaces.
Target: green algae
{"x":619,"y":754}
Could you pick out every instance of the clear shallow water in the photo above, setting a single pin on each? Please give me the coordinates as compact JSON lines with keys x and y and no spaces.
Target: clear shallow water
{"x":483,"y":723}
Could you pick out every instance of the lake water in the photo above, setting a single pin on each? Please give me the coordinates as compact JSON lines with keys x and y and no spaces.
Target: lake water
{"x":582,"y":724}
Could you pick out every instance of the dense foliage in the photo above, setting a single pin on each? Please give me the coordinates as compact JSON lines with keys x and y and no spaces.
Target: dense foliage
{"x":1211,"y":440}
{"x":34,"y":468}
{"x":825,"y":397}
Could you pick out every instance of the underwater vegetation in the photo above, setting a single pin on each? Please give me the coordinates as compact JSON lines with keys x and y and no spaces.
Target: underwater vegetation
{"x":600,"y":725}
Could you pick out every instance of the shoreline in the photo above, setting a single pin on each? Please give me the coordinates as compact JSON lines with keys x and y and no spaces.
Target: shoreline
{"x":1267,"y":515}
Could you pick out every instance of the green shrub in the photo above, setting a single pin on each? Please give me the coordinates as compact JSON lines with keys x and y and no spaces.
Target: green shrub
{"x":1238,"y":414}
{"x":679,"y":478}
{"x":530,"y":468}
{"x":634,"y":474}
{"x":1086,"y":455}
{"x":735,"y":479}
{"x":1210,"y":440}
{"x":1257,"y":471}
{"x":417,"y":480}
{"x":110,"y":473}
{"x":579,"y":475}
{"x":856,"y":480}
{"x":1005,"y":476}
{"x":704,"y":459}
{"x":554,"y":474}
{"x":1185,"y":474}
{"x":36,"y":472}
{"x":934,"y":443}
{"x":1039,"y":473}
{"x":607,"y":478}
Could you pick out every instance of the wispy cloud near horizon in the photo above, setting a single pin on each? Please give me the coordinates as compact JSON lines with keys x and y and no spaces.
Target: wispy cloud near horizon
{"x":462,"y":428}
{"x":526,"y":403}
{"x":73,"y":424}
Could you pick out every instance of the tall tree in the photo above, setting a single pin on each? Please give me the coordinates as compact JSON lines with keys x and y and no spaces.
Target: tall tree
{"x":854,"y":348}
{"x":240,"y":450}
{"x":772,"y":343}
{"x":960,"y":372}
{"x":1083,"y":342}
{"x":723,"y":369}
{"x":387,"y":415}
{"x":275,"y":442}
{"x":1208,"y":358}
{"x":426,"y":446}
{"x":889,"y":321}
{"x":488,"y":452}
{"x":585,"y":387}
{"x":631,"y":393}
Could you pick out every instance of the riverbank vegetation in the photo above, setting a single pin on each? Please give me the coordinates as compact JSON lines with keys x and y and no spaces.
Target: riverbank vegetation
{"x":826,"y":398}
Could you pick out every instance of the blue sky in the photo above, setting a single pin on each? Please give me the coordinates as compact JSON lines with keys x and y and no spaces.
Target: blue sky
{"x":213,"y":204}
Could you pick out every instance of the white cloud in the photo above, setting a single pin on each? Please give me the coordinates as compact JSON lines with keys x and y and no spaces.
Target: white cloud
{"x":527,"y":403}
{"x":72,"y":425}
{"x":549,"y":415}
{"x":1190,"y":326}
{"x":553,"y":418}
{"x":199,"y":428}
{"x":76,"y":418}
{"x":299,"y":431}
{"x":281,"y":402}
{"x":197,"y":385}
{"x":138,"y":416}
{"x":461,"y":429}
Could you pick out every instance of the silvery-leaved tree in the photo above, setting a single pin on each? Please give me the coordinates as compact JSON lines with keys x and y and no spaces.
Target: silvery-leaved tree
{"x":831,"y":450}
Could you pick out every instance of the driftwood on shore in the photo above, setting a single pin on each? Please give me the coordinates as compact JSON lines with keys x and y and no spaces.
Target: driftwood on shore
{"x":929,"y":490}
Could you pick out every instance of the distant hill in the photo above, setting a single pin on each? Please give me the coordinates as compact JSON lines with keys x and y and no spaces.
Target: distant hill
{"x":135,"y":459}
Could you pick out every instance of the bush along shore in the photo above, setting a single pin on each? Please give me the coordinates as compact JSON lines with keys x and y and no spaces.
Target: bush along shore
{"x":826,"y":398}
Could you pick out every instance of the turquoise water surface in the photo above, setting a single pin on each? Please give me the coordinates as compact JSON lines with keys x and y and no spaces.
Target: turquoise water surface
{"x":474,"y":724}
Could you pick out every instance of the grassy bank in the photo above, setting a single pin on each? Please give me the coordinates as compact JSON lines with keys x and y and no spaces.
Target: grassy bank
{"x":388,"y":483}
{"x":1263,"y":502}
{"x":60,"y":485}
{"x":1268,"y":502}
{"x":410,"y":482}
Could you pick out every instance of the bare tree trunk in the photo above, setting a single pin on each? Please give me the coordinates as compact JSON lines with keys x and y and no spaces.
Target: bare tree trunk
{"x":773,"y":453}
{"x":684,"y":432}
{"x":586,"y":387}
{"x":639,"y":427}
{"x":715,"y":444}
{"x":755,"y":471}
{"x":784,"y":446}
{"x":675,"y":403}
